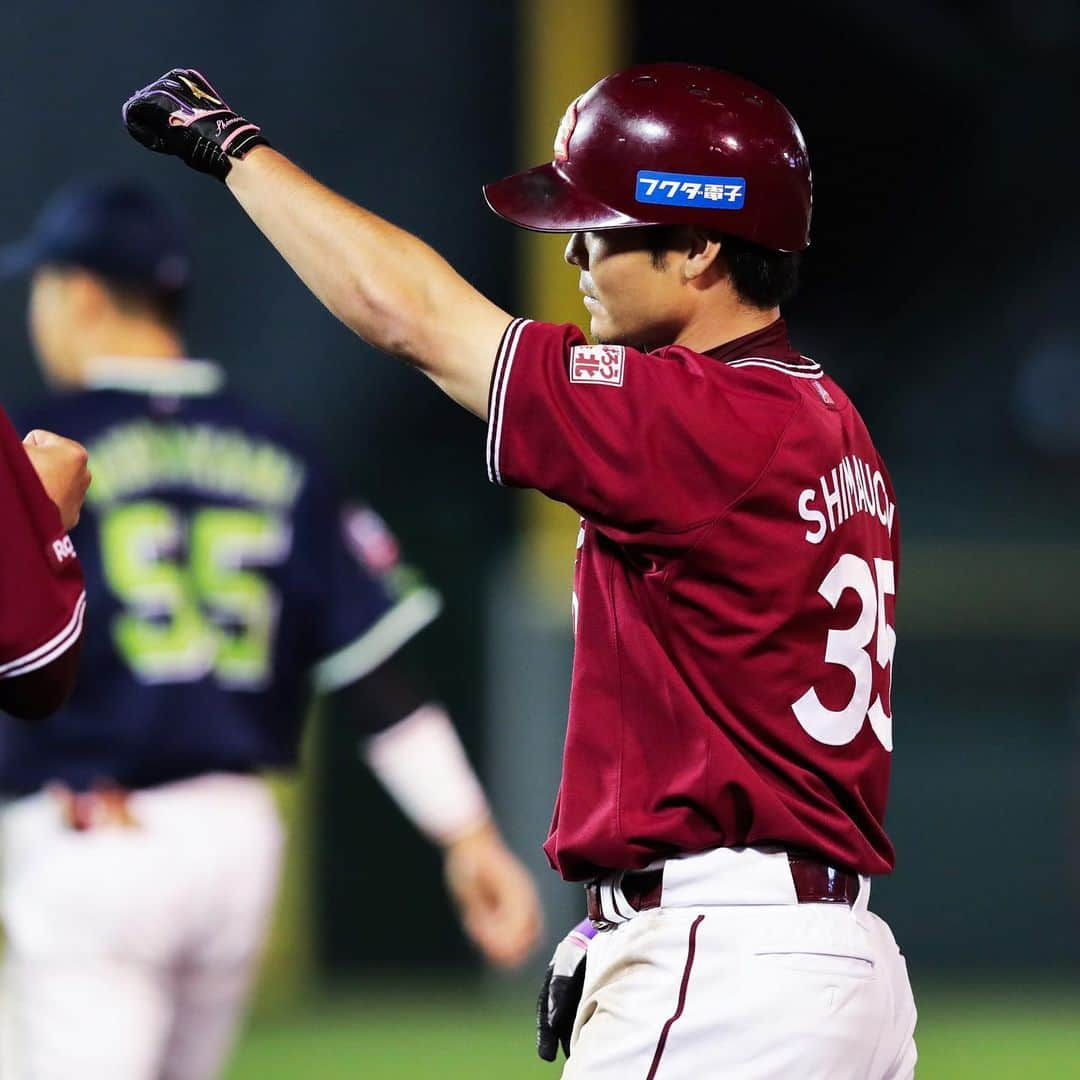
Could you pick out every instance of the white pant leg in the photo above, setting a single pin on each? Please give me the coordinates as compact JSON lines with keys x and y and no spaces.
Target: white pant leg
{"x":49,"y":1033}
{"x":896,"y":1056}
{"x":130,"y":949}
{"x":208,"y":1006}
{"x":770,"y":993}
{"x":213,"y":979}
{"x":83,"y":992}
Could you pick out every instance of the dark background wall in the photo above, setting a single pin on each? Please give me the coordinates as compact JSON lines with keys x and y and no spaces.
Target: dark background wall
{"x":408,"y":109}
{"x":940,"y":289}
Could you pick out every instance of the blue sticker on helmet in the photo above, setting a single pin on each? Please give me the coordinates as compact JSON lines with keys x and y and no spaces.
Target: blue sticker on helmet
{"x":686,"y":189}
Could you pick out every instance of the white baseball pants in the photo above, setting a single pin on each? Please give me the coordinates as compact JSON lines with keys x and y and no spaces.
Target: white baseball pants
{"x":130,"y":949}
{"x":744,"y":984}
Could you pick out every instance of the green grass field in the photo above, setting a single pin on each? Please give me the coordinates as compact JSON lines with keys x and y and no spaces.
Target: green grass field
{"x":964,"y":1034}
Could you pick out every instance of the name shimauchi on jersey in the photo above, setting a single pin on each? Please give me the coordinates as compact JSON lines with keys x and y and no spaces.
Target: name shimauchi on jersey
{"x":851,"y":487}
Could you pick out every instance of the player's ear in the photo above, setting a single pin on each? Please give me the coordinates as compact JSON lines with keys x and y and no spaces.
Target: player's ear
{"x":702,"y":254}
{"x":87,"y":294}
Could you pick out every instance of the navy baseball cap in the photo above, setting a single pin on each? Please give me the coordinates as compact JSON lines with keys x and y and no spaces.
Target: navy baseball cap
{"x":117,"y":228}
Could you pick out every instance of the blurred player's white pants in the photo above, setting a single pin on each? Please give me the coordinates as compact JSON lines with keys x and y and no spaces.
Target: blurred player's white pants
{"x":750,"y":985}
{"x":131,"y":948}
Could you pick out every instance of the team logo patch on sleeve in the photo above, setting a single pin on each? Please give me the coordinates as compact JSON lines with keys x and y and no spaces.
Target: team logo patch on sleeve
{"x":369,"y":539}
{"x":598,"y":364}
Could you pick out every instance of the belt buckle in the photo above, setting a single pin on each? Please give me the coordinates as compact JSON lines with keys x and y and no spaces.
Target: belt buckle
{"x":594,"y":908}
{"x":600,"y":894}
{"x":106,"y":804}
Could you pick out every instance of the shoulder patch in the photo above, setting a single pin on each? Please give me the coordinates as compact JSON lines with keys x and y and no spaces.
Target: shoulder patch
{"x":598,"y":364}
{"x":369,"y":539}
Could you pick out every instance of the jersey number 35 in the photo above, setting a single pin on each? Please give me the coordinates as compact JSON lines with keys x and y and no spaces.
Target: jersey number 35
{"x":850,"y":648}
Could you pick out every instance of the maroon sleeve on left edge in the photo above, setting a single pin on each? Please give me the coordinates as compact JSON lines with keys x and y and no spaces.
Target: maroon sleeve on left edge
{"x":41,"y":584}
{"x":639,"y":443}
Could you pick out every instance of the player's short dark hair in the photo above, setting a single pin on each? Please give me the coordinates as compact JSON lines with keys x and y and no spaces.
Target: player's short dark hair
{"x":762,"y":278}
{"x":166,"y":306}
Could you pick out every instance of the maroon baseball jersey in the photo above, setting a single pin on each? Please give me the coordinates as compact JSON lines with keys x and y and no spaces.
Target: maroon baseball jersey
{"x":734,"y":595}
{"x":41,"y":584}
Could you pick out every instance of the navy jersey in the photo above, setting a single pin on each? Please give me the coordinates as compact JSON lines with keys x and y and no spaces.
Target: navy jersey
{"x":225,"y":582}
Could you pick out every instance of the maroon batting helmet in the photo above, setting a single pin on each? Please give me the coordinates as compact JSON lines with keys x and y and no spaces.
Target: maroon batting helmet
{"x":670,"y":144}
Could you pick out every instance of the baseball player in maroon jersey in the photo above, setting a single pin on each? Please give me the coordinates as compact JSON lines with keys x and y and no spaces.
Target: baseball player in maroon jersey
{"x":727,"y":754}
{"x":42,"y":484}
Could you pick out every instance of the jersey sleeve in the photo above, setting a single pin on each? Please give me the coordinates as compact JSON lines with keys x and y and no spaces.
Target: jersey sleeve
{"x":42,"y":599}
{"x":639,"y":443}
{"x":366,"y":602}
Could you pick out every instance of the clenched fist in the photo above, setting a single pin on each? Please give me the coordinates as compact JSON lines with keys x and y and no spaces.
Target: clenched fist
{"x":496,"y":899}
{"x":182,"y":114}
{"x":61,"y":465}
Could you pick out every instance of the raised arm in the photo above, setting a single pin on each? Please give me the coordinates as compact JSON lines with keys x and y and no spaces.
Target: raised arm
{"x":387,"y":285}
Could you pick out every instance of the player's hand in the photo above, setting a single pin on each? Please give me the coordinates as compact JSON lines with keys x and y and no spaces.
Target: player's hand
{"x":496,"y":899}
{"x":560,"y":995}
{"x":182,"y":114}
{"x":61,"y":465}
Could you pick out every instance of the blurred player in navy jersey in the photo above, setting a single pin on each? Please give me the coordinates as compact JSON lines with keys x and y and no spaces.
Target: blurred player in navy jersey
{"x":226,"y":584}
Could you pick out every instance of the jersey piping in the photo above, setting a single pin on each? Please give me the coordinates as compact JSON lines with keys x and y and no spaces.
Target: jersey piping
{"x":500,"y":379}
{"x":377,"y":644}
{"x":155,"y":376}
{"x":810,"y":370}
{"x":54,"y":647}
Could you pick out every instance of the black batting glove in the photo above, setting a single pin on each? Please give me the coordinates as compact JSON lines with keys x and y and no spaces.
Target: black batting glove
{"x":182,"y":114}
{"x":560,"y":995}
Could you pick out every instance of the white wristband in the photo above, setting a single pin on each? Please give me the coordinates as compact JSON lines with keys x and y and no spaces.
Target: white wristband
{"x":422,"y":764}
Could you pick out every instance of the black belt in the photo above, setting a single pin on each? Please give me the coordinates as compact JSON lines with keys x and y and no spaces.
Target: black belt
{"x":814,"y":881}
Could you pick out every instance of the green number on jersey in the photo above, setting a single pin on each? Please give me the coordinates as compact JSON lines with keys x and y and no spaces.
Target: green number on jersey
{"x":210,"y":613}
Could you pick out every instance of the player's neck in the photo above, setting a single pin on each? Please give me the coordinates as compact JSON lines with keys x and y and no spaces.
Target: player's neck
{"x":132,"y":340}
{"x":722,"y":322}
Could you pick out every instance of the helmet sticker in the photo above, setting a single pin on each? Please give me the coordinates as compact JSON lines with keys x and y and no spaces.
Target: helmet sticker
{"x":566,"y":129}
{"x":688,"y":189}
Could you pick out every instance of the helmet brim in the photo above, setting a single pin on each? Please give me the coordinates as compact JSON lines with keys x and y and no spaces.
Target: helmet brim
{"x":544,"y":200}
